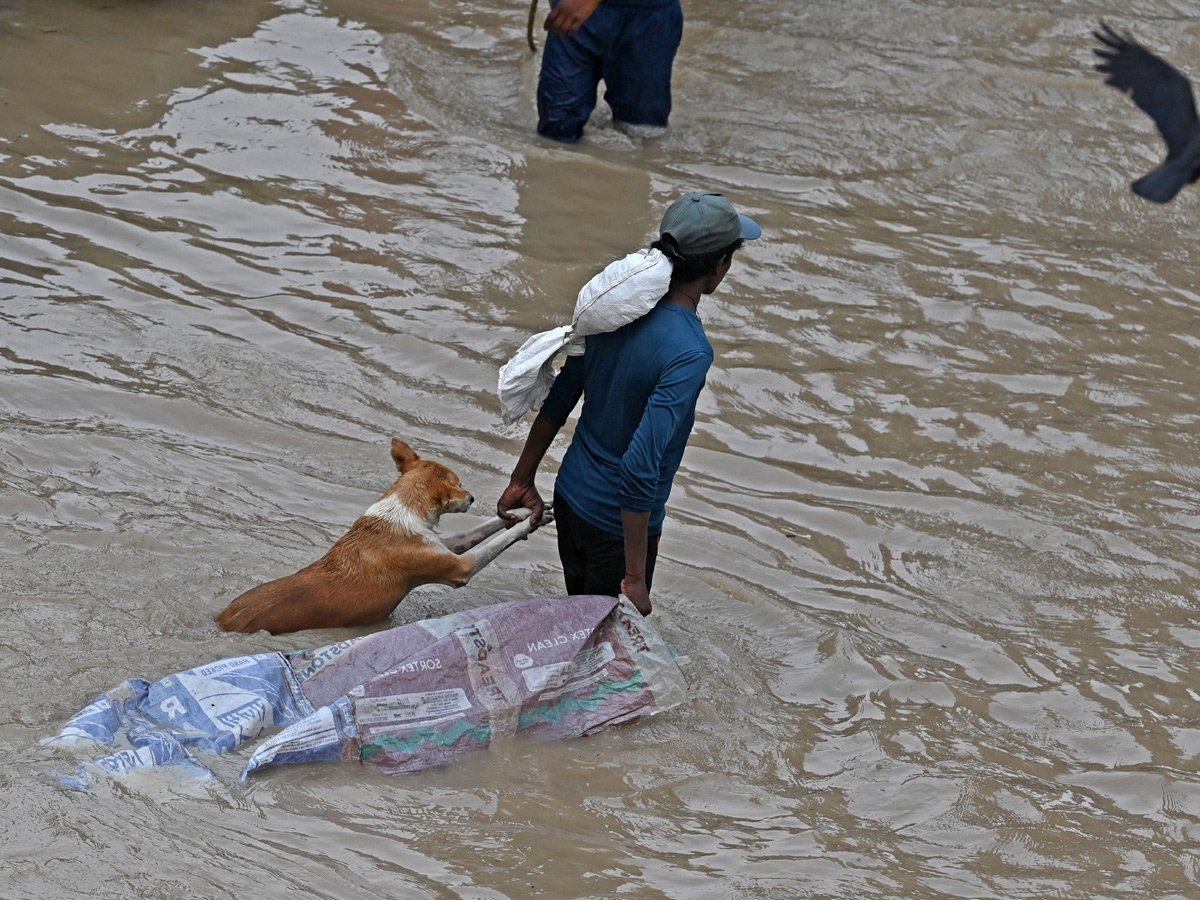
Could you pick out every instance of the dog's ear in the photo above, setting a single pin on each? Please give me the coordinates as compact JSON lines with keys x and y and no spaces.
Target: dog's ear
{"x":403,"y":455}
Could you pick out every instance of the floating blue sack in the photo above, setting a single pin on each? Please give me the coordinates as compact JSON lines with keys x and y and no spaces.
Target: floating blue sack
{"x":215,"y":707}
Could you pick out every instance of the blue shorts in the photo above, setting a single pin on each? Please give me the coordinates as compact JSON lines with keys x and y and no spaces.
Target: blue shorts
{"x":632,"y":47}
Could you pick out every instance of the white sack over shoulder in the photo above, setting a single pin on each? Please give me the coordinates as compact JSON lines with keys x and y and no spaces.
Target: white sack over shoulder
{"x":625,"y":291}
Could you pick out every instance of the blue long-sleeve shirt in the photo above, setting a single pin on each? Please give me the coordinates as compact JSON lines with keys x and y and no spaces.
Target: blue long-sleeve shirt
{"x":639,"y":385}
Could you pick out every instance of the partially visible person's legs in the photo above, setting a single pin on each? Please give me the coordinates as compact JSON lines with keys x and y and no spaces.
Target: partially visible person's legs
{"x":637,"y":66}
{"x":566,"y":93}
{"x":593,"y":560}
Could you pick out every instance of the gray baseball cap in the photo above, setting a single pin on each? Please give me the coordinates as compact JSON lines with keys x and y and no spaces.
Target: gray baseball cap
{"x":705,"y":222}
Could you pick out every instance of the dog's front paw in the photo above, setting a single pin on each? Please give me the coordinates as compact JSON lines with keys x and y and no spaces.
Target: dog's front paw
{"x":526,"y":528}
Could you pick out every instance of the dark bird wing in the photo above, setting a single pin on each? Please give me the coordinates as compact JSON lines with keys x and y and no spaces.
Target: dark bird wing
{"x":1156,"y":86}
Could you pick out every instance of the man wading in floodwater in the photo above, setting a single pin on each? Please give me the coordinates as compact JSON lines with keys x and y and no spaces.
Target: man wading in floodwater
{"x":631,"y":44}
{"x":639,"y":384}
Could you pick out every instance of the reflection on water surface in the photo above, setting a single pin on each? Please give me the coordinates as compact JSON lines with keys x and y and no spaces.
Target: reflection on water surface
{"x":931,"y":553}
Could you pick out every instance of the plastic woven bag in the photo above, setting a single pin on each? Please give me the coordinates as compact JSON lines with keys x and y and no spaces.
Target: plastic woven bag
{"x":625,"y":291}
{"x":402,"y":699}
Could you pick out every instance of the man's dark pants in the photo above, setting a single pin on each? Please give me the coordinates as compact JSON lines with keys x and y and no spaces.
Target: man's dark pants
{"x":632,"y":47}
{"x":593,"y":560}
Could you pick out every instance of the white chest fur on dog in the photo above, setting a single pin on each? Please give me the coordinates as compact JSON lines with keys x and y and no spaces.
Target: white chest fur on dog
{"x":394,"y":511}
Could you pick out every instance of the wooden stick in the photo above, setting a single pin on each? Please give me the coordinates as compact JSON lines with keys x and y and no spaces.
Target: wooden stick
{"x":533,"y":4}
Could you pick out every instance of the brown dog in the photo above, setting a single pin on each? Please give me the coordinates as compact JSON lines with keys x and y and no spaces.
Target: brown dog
{"x":387,"y":552}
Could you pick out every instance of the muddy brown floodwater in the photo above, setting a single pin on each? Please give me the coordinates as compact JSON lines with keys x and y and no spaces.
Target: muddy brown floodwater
{"x":932,"y":553}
